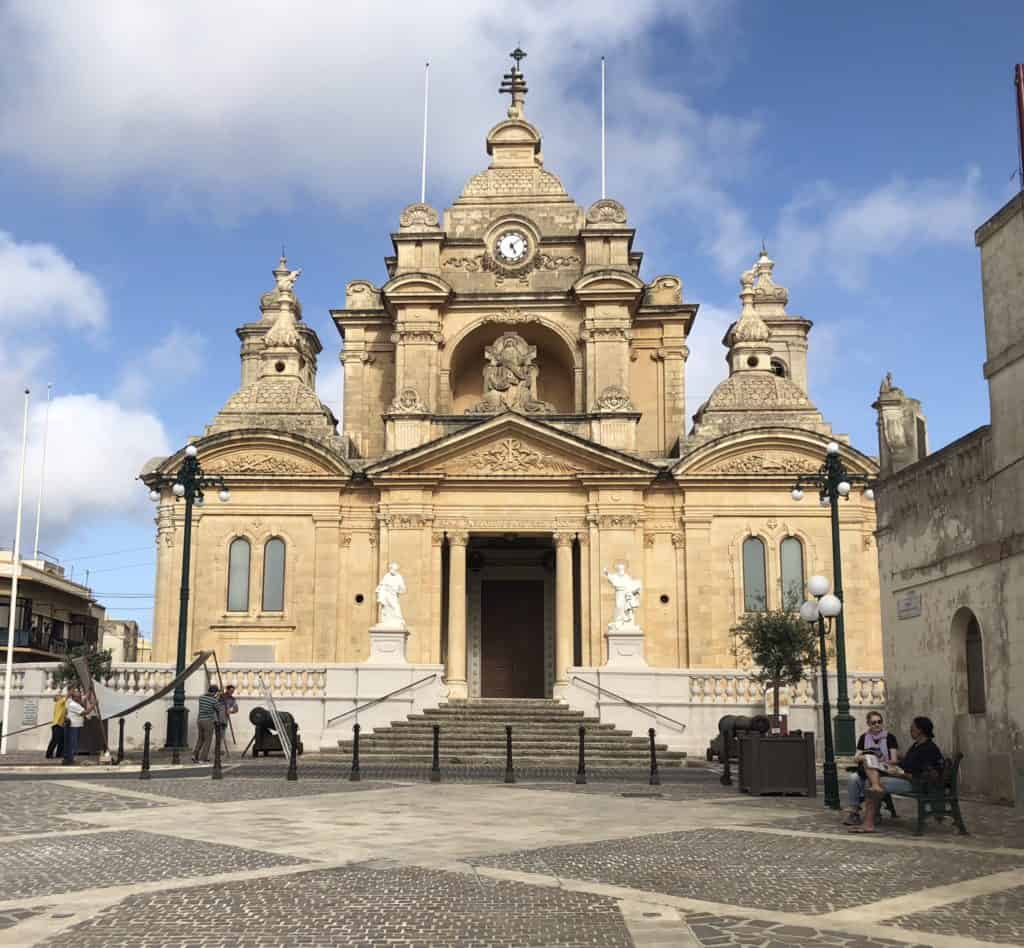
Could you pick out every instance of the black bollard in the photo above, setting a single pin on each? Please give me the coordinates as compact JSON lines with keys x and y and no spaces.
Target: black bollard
{"x":293,"y":760}
{"x":510,"y":776}
{"x":120,"y":740}
{"x":355,"y":753}
{"x":144,"y":772}
{"x":655,"y":779}
{"x":218,"y":732}
{"x":581,"y":771}
{"x":435,"y":767}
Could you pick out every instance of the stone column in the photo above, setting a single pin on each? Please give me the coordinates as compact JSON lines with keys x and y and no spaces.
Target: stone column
{"x":563,"y":608}
{"x":456,"y":671}
{"x":586,"y":646}
{"x":433,"y":655}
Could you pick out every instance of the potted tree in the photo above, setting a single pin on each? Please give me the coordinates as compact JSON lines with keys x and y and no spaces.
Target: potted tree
{"x":93,"y":739}
{"x":780,"y":647}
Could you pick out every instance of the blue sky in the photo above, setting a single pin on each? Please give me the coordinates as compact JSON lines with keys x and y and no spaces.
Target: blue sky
{"x":155,"y":158}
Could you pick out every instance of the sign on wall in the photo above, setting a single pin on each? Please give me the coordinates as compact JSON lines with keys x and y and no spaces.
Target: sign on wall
{"x":908,"y":604}
{"x":30,"y":712}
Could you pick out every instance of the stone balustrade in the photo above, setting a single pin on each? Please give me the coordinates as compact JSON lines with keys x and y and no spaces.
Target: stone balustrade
{"x":283,"y":681}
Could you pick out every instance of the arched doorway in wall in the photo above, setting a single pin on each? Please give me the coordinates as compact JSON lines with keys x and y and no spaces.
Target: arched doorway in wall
{"x":971,"y":682}
{"x":556,"y":366}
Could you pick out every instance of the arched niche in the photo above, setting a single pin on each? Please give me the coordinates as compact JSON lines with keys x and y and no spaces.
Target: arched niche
{"x":556,"y":364}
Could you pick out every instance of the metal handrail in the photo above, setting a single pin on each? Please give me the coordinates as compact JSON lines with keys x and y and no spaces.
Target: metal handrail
{"x":370,"y":704}
{"x":633,"y":704}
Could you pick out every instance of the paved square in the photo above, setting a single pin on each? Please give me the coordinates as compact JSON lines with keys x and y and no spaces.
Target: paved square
{"x":255,"y":861}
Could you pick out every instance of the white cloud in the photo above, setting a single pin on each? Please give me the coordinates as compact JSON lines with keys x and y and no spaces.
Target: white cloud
{"x":175,"y":358}
{"x":824,"y":229}
{"x":222,"y":106}
{"x":330,"y":379}
{"x":42,"y":286}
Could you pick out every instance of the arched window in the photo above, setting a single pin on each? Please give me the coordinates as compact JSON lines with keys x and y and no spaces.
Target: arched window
{"x":791,"y":557}
{"x":755,"y":585}
{"x":273,"y":575}
{"x":975,"y":669}
{"x":238,"y":575}
{"x":779,"y":368}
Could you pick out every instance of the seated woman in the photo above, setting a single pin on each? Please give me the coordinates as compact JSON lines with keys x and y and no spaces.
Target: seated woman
{"x":875,"y":741}
{"x":883,"y":778}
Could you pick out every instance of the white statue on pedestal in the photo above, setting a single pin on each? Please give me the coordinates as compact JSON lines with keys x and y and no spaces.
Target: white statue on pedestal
{"x":627,"y":596}
{"x":389,"y":589}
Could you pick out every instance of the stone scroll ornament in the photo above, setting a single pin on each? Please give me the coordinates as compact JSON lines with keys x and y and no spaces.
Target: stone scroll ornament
{"x":389,"y":589}
{"x":510,"y":378}
{"x":627,"y":597}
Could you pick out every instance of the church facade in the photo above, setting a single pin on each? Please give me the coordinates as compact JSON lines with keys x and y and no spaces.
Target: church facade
{"x":515,"y":425}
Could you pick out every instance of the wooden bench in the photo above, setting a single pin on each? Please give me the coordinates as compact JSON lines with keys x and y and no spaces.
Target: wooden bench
{"x":938,"y":795}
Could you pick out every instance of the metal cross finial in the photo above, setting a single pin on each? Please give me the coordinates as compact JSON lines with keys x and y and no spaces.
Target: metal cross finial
{"x":518,"y":55}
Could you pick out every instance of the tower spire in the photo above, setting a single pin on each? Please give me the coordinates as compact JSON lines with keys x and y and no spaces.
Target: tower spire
{"x":514,"y":83}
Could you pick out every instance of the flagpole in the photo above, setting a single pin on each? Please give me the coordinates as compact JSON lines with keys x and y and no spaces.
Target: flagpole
{"x":603,"y":194}
{"x":42,"y":470}
{"x":15,"y":564}
{"x":423,"y":170}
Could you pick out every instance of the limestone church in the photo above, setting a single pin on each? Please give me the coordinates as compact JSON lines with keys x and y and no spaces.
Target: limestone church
{"x":515,"y":423}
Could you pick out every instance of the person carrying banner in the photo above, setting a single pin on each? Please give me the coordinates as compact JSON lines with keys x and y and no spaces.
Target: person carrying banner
{"x":55,"y":749}
{"x":75,"y":720}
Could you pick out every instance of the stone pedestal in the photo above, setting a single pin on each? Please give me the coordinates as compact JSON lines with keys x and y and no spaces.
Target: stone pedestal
{"x":626,"y":645}
{"x":387,"y":644}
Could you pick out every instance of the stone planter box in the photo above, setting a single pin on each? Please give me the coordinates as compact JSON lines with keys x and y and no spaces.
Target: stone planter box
{"x":775,"y":764}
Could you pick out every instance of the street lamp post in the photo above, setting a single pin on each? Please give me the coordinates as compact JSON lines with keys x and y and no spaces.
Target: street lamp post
{"x":826,"y":607}
{"x":834,"y":481}
{"x":187,"y":485}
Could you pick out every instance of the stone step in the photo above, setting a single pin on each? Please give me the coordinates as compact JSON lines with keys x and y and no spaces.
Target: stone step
{"x":554,"y":727}
{"x":640,"y":764}
{"x":523,"y":746}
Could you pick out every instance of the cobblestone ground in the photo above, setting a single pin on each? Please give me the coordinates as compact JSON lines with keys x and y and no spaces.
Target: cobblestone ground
{"x":996,"y":917}
{"x":414,"y":908}
{"x":254,"y":861}
{"x":755,"y":869}
{"x":42,"y":807}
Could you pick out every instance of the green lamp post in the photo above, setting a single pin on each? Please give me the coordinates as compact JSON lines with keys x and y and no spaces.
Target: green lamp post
{"x":188,"y":485}
{"x":833,"y":482}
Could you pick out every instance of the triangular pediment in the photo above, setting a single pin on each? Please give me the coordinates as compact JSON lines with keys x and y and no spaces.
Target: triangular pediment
{"x":511,"y":447}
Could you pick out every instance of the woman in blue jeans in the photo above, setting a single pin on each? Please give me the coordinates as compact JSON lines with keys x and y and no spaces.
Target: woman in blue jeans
{"x":921,"y":756}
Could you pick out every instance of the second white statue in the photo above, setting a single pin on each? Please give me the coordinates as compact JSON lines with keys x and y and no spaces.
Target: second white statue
{"x":389,"y":589}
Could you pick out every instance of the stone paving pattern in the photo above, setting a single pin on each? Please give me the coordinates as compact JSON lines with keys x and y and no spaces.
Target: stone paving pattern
{"x":996,"y":917}
{"x":42,"y":807}
{"x":54,"y":864}
{"x":356,"y":907}
{"x":756,"y":933}
{"x":757,"y":870}
{"x":11,"y":917}
{"x":204,"y":790}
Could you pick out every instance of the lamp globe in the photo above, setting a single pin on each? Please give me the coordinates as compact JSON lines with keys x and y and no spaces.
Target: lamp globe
{"x":818,"y":586}
{"x":830,"y":606}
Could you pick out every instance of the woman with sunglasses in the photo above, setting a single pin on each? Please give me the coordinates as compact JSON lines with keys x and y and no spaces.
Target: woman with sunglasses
{"x":878,"y":742}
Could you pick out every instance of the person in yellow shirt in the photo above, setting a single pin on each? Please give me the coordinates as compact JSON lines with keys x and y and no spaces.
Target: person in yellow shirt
{"x":55,"y":749}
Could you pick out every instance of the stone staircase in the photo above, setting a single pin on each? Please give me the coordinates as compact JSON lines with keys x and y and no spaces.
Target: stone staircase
{"x":545,"y":733}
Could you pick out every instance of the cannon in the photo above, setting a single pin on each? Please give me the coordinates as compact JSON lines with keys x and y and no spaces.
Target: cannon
{"x":266,"y":739}
{"x":724,"y":746}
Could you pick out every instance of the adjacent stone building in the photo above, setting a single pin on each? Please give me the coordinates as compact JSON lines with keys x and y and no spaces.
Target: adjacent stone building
{"x":951,"y":546}
{"x":515,"y":423}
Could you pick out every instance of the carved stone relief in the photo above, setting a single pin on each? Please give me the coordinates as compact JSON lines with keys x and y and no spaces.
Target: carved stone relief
{"x":606,"y":211}
{"x":407,"y":402}
{"x":510,"y":456}
{"x":614,"y":399}
{"x":510,"y":378}
{"x":260,"y":464}
{"x":766,"y":463}
{"x":418,"y":215}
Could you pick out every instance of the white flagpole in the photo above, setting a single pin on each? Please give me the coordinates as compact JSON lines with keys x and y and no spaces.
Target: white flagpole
{"x":42,"y":470}
{"x":423,"y":170}
{"x":603,"y":194}
{"x":15,"y":569}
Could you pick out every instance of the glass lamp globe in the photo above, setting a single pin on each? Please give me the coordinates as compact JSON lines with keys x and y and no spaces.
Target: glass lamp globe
{"x":869,"y":494}
{"x":154,"y":495}
{"x":178,"y":490}
{"x":843,"y":487}
{"x":797,"y":494}
{"x":818,"y":585}
{"x":191,"y":450}
{"x":833,"y":448}
{"x":224,"y":495}
{"x":809,"y":611}
{"x":830,"y":606}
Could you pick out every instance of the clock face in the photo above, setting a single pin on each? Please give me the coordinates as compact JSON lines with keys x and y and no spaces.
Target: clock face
{"x":512,"y":246}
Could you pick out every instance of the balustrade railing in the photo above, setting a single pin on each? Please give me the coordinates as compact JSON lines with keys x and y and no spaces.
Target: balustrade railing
{"x":739,"y":688}
{"x":284,"y":682}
